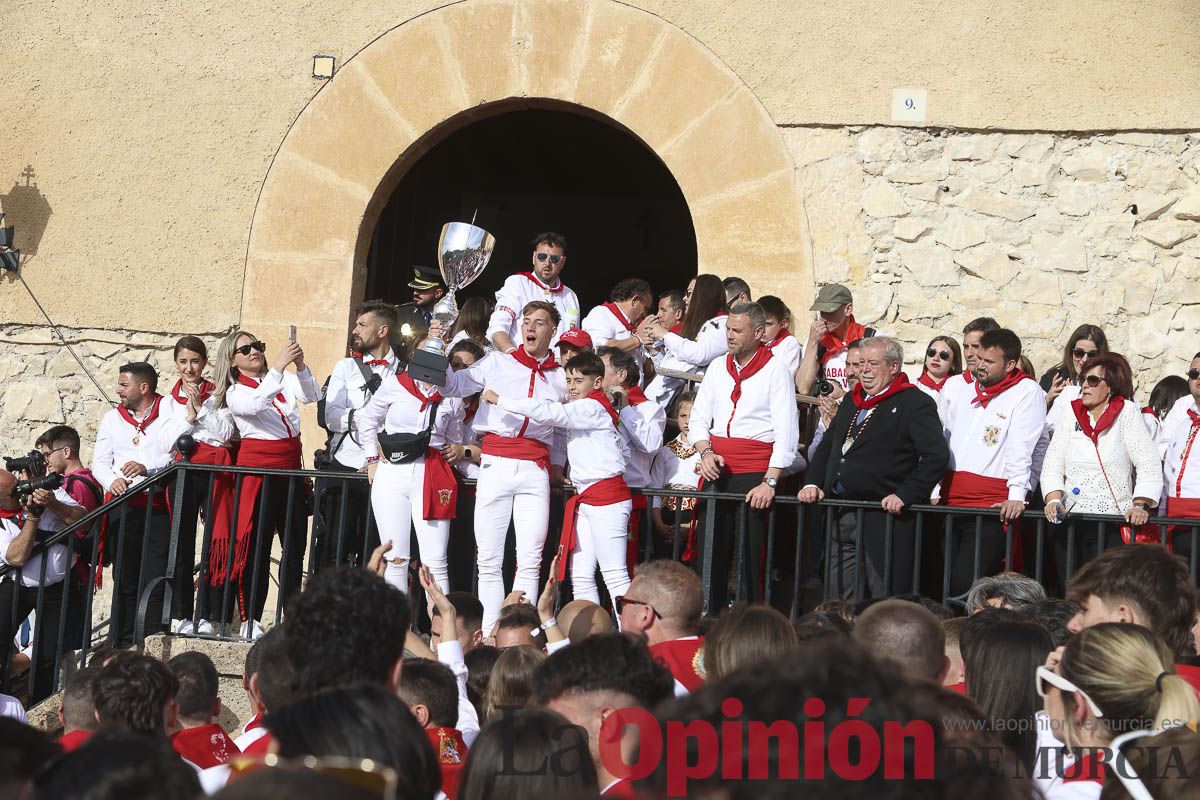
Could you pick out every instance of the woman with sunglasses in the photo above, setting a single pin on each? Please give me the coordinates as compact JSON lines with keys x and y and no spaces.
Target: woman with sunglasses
{"x":1107,"y":680}
{"x":1086,"y":341}
{"x":943,"y":359}
{"x":265,"y":403}
{"x":1099,"y":442}
{"x":193,"y":411}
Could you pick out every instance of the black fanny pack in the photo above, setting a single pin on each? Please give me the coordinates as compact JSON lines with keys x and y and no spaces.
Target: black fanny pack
{"x":405,"y":448}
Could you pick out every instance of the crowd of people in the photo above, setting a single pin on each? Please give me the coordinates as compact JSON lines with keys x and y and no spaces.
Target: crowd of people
{"x":697,"y":388}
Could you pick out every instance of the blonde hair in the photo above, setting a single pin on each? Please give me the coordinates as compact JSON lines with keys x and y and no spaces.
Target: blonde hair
{"x":744,"y":635}
{"x":511,"y":681}
{"x":225,"y":374}
{"x":1130,"y":675}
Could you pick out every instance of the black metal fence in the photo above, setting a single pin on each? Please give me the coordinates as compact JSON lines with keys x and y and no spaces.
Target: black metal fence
{"x":803,"y":554}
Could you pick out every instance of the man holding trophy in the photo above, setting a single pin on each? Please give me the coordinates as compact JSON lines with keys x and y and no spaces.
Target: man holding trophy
{"x":542,"y":282}
{"x":514,"y":475}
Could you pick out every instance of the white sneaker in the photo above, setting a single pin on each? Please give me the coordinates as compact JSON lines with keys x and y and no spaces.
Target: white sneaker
{"x":185,"y":628}
{"x":251,"y":630}
{"x":205,"y":628}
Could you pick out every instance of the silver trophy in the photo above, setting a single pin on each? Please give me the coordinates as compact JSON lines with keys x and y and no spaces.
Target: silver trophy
{"x":463,"y":252}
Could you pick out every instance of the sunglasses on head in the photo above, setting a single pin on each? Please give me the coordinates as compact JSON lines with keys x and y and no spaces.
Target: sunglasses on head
{"x":553,"y":259}
{"x":1193,"y":374}
{"x":1093,"y":380}
{"x":944,"y":355}
{"x":1079,"y":352}
{"x":246,"y":348}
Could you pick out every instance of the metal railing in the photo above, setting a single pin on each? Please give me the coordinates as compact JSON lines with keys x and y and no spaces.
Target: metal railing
{"x":803,"y":553}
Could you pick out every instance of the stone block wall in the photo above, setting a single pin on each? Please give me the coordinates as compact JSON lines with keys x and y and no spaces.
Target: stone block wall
{"x":1042,"y":231}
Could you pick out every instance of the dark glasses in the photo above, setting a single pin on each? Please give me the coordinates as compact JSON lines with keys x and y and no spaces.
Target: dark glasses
{"x":1079,"y":352}
{"x":621,"y":602}
{"x":553,"y":259}
{"x":944,"y":355}
{"x":1093,"y":380}
{"x":1193,"y":374}
{"x":246,"y":348}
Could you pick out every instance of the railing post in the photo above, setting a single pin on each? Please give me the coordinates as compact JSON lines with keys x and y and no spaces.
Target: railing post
{"x":710,"y":526}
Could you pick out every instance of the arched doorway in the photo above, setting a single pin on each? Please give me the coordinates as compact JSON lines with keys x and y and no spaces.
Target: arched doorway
{"x":526,"y":168}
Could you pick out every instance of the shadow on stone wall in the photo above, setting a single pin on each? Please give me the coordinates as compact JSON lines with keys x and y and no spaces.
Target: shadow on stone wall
{"x":26,"y":208}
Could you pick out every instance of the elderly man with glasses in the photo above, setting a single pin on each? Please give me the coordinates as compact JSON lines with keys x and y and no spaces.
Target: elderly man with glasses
{"x":663,"y":605}
{"x":542,"y":283}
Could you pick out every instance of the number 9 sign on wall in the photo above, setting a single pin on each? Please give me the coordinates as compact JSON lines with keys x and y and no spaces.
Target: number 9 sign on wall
{"x":908,"y":105}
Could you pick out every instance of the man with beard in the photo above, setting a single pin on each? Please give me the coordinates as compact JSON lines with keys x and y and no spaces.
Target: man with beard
{"x":413,"y":318}
{"x":543,"y":283}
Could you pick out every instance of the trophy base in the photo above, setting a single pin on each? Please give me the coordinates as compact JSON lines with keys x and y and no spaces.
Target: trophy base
{"x":428,"y":367}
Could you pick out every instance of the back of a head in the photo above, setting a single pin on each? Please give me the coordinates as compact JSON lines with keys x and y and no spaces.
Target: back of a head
{"x":675,"y":592}
{"x":1006,"y":590}
{"x":746,"y":634}
{"x":276,"y":679}
{"x":133,"y":691}
{"x":198,"y":685}
{"x":78,"y":707}
{"x":24,"y":752}
{"x":1052,"y":614}
{"x":289,"y":782}
{"x":906,"y":633}
{"x":820,"y":624}
{"x":332,"y":641}
{"x":362,"y":721}
{"x":1146,"y":577}
{"x":1166,"y":766}
{"x":511,"y":681}
{"x":480,"y":662}
{"x":468,"y":608}
{"x":431,"y":684}
{"x":508,"y":760}
{"x":610,"y":662}
{"x":580,"y":619}
{"x":119,"y":765}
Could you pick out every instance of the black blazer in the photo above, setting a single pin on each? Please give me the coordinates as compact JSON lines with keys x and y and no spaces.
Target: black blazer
{"x":901,"y":451}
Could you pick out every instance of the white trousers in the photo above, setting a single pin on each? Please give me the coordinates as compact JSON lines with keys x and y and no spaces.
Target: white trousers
{"x":397,"y":500}
{"x":601,"y":539}
{"x":509,"y":488}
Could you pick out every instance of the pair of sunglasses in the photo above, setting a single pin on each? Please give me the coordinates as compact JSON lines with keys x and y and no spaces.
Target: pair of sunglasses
{"x":944,"y":355}
{"x":246,"y":348}
{"x":1193,"y":374}
{"x":553,"y":259}
{"x":1079,"y":352}
{"x":1093,"y":380}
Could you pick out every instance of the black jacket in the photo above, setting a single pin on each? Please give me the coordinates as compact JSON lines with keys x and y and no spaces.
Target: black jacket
{"x":902,"y":451}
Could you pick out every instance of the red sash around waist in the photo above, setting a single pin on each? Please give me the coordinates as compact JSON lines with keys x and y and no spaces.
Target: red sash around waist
{"x":601,"y":493}
{"x":441,"y":488}
{"x":265,"y":454}
{"x":966,"y":489}
{"x":1183,"y":507}
{"x":517,"y":447}
{"x":635,"y":530}
{"x":743,"y":456}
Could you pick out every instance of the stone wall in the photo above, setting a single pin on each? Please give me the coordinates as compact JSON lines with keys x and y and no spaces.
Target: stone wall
{"x":1043,"y":231}
{"x":42,"y":384}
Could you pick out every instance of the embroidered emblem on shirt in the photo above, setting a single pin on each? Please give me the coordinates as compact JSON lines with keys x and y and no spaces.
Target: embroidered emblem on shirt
{"x":698,"y":662}
{"x":991,"y":435}
{"x":444,"y":496}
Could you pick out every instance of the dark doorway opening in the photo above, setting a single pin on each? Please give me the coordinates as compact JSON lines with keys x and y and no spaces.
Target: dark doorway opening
{"x":524,"y":171}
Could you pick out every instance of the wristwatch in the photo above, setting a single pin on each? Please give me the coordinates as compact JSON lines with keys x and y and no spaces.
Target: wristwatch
{"x":772,"y":482}
{"x":1142,"y":506}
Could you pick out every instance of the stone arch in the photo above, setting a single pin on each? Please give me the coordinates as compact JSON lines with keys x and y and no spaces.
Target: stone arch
{"x":346,"y":150}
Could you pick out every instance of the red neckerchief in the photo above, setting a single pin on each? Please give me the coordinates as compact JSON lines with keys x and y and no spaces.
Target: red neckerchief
{"x":255,"y":722}
{"x":206,"y":390}
{"x":898,"y":384}
{"x":779,"y":337}
{"x":635,"y":395}
{"x":624,"y":320}
{"x":969,"y":377}
{"x":1115,"y":404}
{"x":757,"y":361}
{"x":1150,"y":410}
{"x":835,"y":346}
{"x":601,"y":398}
{"x":374,"y":362}
{"x":543,"y":286}
{"x":535,"y":369}
{"x":676,"y":328}
{"x":127,"y":415}
{"x":928,"y":380}
{"x":983,"y":395}
{"x":253,"y":383}
{"x":13,"y":513}
{"x":408,"y":383}
{"x":469,"y":410}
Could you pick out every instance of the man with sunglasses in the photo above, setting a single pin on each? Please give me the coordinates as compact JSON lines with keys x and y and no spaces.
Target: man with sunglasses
{"x":663,"y":605}
{"x":542,"y":283}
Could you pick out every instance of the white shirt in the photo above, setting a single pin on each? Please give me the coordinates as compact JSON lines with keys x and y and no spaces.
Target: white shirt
{"x":1070,"y":393}
{"x":766,"y":411}
{"x":997,"y":441}
{"x":463,"y":335}
{"x":507,"y":377}
{"x":450,"y":653}
{"x":1071,"y":463}
{"x":257,"y":412}
{"x":523,"y":288}
{"x":684,"y":355}
{"x":119,"y":442}
{"x":249,"y":737}
{"x":11,"y":707}
{"x":345,"y":394}
{"x":395,"y":409}
{"x":59,"y":558}
{"x":1183,"y":457}
{"x":214,"y":426}
{"x":642,"y":425}
{"x":788,"y":351}
{"x":595,"y":448}
{"x":1176,"y":419}
{"x":606,"y":322}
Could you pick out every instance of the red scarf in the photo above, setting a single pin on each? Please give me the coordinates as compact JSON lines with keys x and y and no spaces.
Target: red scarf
{"x":928,"y":380}
{"x":254,"y":383}
{"x":206,"y":746}
{"x":898,"y":384}
{"x":408,"y":383}
{"x":541,"y":285}
{"x":13,"y":513}
{"x":685,"y":659}
{"x":1151,"y":411}
{"x":206,"y":390}
{"x":127,"y":415}
{"x":536,"y":370}
{"x":635,"y":396}
{"x":779,"y":337}
{"x":601,"y":493}
{"x":440,"y":490}
{"x":969,"y":377}
{"x":759,"y":360}
{"x":624,"y":320}
{"x":986,"y":394}
{"x":1115,"y":404}
{"x":469,"y":410}
{"x":677,"y":328}
{"x":74,"y":740}
{"x":601,"y":398}
{"x":835,"y":346}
